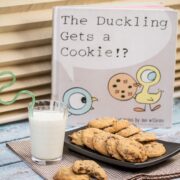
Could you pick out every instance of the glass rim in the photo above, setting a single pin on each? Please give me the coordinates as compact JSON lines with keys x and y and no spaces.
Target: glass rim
{"x":62,"y":104}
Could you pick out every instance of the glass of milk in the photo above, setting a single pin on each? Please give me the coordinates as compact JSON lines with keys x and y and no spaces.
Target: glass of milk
{"x":47,"y":127}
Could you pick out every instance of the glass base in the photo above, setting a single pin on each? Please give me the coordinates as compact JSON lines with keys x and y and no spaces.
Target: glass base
{"x":45,"y":162}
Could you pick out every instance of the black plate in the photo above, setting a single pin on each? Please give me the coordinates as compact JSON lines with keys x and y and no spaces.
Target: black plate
{"x":171,"y":150}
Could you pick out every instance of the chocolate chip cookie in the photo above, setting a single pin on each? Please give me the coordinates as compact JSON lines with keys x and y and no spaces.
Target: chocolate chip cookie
{"x":144,"y":137}
{"x":66,"y":173}
{"x":102,"y":123}
{"x":76,"y":138}
{"x":111,"y":146}
{"x":118,"y":125}
{"x":87,"y":136}
{"x":129,"y":131}
{"x":131,"y":150}
{"x":154,"y":149}
{"x":89,"y":167}
{"x":99,"y":142}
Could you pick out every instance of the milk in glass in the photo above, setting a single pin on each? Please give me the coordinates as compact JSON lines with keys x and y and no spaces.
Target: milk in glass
{"x":47,"y":134}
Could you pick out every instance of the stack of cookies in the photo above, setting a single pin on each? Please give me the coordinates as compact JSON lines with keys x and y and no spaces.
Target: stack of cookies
{"x":81,"y":170}
{"x":119,"y":139}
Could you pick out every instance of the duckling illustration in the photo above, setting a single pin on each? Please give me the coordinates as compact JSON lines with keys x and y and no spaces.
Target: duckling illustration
{"x":147,"y":77}
{"x":79,"y":100}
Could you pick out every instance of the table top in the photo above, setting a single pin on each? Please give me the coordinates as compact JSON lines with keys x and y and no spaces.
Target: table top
{"x":11,"y":166}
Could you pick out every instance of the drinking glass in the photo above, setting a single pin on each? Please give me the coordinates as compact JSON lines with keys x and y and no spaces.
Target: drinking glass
{"x":47,"y":128}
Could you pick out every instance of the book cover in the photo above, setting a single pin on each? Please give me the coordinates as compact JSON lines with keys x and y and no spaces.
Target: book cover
{"x":115,"y":61}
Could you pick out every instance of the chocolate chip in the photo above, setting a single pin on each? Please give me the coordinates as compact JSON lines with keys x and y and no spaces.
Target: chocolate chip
{"x":80,"y":169}
{"x":88,"y":171}
{"x":114,"y":86}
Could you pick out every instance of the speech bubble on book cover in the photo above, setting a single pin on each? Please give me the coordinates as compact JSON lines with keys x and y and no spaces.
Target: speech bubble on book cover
{"x":110,"y":39}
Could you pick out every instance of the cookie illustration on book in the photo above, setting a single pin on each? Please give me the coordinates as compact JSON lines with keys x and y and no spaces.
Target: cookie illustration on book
{"x":122,"y":87}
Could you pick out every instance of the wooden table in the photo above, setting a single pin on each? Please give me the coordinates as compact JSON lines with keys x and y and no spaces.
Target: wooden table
{"x":12,"y":167}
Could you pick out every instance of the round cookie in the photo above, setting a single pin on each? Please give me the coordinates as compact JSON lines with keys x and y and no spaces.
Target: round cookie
{"x":122,"y":87}
{"x":109,"y":129}
{"x":111,"y":146}
{"x":76,"y":138}
{"x":118,"y":125}
{"x":99,"y":142}
{"x":89,"y":167}
{"x":87,"y":136}
{"x":131,"y":150}
{"x":66,"y":173}
{"x":102,"y":123}
{"x":154,"y":149}
{"x":144,"y":137}
{"x":129,"y":131}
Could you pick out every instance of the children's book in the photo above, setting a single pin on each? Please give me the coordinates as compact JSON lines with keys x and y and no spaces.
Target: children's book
{"x":116,"y":61}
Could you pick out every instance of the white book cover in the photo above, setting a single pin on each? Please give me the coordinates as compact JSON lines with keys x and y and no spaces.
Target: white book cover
{"x":115,"y":61}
